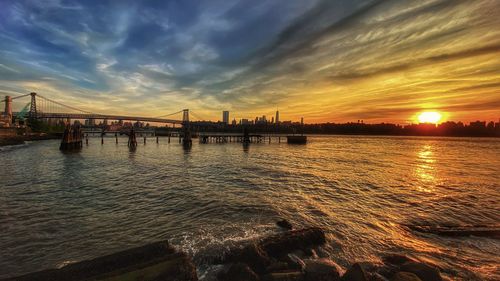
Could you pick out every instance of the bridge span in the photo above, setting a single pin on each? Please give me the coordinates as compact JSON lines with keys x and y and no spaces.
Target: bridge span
{"x":42,"y":115}
{"x":41,"y":107}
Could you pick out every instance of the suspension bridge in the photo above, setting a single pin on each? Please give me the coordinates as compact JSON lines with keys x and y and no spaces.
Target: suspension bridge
{"x":40,"y":107}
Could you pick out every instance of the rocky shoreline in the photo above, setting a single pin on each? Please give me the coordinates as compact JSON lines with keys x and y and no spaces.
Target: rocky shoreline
{"x":291,"y":255}
{"x":294,"y":255}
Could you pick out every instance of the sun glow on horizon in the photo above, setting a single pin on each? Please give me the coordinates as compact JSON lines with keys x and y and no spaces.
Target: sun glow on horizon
{"x":429,"y":117}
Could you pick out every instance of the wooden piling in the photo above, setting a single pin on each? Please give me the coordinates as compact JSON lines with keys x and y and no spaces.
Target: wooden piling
{"x":72,"y":138}
{"x":157,"y":140}
{"x":144,"y":140}
{"x":132,"y":142}
{"x":102,"y":140}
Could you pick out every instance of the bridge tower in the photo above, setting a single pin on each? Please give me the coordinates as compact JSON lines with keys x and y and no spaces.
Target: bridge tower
{"x":8,"y":108}
{"x":186,"y":139}
{"x":33,"y":111}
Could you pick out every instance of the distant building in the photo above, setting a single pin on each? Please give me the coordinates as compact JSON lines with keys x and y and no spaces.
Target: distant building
{"x":277,"y":119}
{"x":234,"y":122}
{"x":225,"y":117}
{"x":261,"y":120}
{"x":302,"y":121}
{"x":245,"y":122}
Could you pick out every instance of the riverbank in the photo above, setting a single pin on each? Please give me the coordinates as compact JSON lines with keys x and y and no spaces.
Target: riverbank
{"x":291,"y":255}
{"x":20,"y":139}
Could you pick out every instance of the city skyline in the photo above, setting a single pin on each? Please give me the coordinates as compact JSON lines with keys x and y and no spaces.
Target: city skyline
{"x":326,"y":61}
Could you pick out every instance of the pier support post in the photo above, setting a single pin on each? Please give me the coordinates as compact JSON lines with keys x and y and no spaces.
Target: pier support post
{"x":157,"y":140}
{"x":102,"y":140}
{"x":169,"y":138}
{"x":144,"y":140}
{"x":72,"y":138}
{"x":132,"y":142}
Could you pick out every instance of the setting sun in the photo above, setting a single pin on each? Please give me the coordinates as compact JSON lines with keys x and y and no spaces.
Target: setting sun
{"x":429,"y":117}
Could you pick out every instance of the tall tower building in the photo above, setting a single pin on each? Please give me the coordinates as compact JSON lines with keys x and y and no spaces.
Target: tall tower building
{"x":225,"y":117}
{"x":277,"y":119}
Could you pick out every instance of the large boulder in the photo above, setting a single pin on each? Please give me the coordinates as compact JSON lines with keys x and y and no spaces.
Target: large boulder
{"x":238,"y":271}
{"x":322,"y":270}
{"x":422,"y":270}
{"x":253,"y":255}
{"x":355,"y":273}
{"x":155,"y":261}
{"x":405,"y":276}
{"x":281,"y":244}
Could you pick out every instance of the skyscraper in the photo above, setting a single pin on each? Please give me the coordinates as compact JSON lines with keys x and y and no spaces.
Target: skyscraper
{"x":277,"y":119}
{"x":225,"y":117}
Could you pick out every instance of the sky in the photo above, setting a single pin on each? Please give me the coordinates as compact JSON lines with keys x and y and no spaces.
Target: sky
{"x":324,"y":60}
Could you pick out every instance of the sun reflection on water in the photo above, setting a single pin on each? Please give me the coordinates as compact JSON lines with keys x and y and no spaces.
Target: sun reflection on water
{"x":425,"y":169}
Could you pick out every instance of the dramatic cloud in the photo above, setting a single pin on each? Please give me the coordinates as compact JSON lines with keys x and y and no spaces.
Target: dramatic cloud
{"x":325,"y":60}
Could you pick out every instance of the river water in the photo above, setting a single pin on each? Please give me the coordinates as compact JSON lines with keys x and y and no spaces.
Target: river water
{"x":57,"y":208}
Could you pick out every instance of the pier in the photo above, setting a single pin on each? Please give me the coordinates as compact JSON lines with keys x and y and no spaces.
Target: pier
{"x":184,"y":138}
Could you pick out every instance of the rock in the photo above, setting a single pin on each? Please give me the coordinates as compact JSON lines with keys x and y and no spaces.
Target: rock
{"x":396,"y":259}
{"x":355,"y":273}
{"x":300,"y":253}
{"x":322,"y":270}
{"x":278,"y":266}
{"x":310,"y":253}
{"x":253,"y":255}
{"x":457,"y":231}
{"x":423,"y":271}
{"x":284,"y":224}
{"x":281,"y":244}
{"x":405,"y":276}
{"x":238,"y":271}
{"x":374,"y":276}
{"x":285,"y":276}
{"x":320,"y":252}
{"x":154,"y":261}
{"x":296,"y":262}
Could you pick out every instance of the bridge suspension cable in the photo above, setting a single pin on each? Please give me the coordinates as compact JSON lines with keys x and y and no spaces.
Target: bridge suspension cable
{"x":196,"y":116}
{"x":16,"y":97}
{"x":166,"y":115}
{"x":63,"y":105}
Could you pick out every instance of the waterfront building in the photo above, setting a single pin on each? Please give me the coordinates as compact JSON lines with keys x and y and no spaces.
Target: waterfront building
{"x":225,"y":117}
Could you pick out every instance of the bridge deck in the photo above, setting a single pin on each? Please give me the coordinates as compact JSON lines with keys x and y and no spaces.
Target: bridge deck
{"x":103,"y":116}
